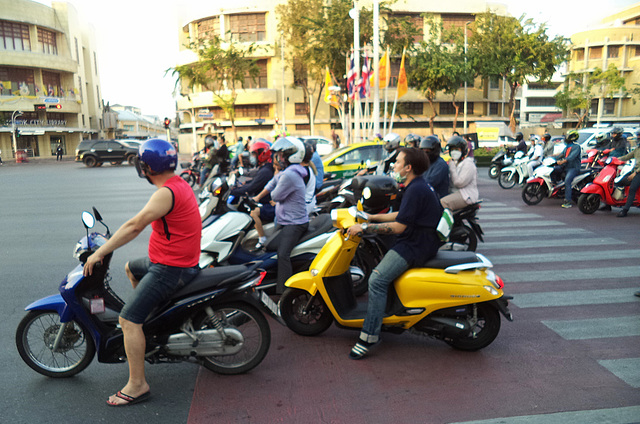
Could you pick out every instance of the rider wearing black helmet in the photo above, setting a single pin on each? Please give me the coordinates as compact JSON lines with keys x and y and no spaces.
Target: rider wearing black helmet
{"x":412,"y":140}
{"x":463,"y":173}
{"x":522,"y":145}
{"x":438,"y":172}
{"x":172,"y":261}
{"x":619,"y":143}
{"x":569,"y":162}
{"x":548,"y":146}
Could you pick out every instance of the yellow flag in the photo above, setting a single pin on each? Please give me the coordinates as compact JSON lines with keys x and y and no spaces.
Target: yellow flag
{"x":327,"y":84}
{"x":403,"y":85}
{"x":384,"y":73}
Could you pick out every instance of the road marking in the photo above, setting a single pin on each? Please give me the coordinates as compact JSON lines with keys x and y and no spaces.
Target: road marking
{"x":536,"y":244}
{"x":571,"y":274}
{"x":555,"y":257}
{"x":625,"y":415}
{"x":520,"y":224}
{"x":537,"y":232}
{"x":626,"y":369}
{"x":505,"y":216}
{"x":498,"y":209}
{"x":574,"y":298}
{"x":596,"y":328}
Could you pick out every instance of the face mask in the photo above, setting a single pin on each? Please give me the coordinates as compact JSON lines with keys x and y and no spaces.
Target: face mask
{"x":397,"y":177}
{"x":455,"y":154}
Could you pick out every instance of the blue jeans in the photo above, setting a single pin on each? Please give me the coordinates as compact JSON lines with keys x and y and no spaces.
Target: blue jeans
{"x":390,"y":267}
{"x":157,"y":283}
{"x":571,"y":174}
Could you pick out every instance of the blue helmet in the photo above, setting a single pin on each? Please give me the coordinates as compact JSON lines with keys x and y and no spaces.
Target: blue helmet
{"x":157,"y":156}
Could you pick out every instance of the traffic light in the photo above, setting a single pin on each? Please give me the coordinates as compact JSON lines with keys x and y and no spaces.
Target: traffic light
{"x":56,"y":106}
{"x":39,"y":107}
{"x":17,"y":132}
{"x":167,"y":121}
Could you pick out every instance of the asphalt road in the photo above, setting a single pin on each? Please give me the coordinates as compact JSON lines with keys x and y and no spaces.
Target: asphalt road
{"x":571,"y":355}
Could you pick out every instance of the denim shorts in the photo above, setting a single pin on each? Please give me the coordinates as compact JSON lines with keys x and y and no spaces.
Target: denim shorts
{"x":157,"y":283}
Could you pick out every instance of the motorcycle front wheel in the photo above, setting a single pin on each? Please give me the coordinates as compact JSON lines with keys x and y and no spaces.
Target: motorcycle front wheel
{"x":483,"y":332}
{"x":588,"y":203}
{"x":304,"y":317}
{"x":35,"y":337}
{"x":507,"y":180}
{"x":533,"y":193}
{"x":256,"y":338}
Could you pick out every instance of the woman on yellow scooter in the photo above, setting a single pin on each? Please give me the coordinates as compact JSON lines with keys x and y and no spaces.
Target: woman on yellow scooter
{"x":415,"y":223}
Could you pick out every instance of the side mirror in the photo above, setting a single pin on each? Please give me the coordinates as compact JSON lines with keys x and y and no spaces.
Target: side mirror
{"x":339,"y":161}
{"x":88,"y":220}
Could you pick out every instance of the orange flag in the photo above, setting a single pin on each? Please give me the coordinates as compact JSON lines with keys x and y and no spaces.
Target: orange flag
{"x":384,"y":73}
{"x":403,"y":85}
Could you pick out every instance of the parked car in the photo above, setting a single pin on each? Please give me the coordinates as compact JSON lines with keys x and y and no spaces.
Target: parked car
{"x":346,"y":161}
{"x":324,"y":146}
{"x":96,"y":152}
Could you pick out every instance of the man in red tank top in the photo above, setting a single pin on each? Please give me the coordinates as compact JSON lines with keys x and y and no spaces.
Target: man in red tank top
{"x":174,"y":252}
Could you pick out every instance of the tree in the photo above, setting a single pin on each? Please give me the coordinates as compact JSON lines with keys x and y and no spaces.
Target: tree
{"x":578,"y":91}
{"x":220,"y":69}
{"x":515,"y":50}
{"x":439,"y":65}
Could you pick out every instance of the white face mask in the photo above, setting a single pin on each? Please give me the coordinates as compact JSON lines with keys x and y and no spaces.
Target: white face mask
{"x":455,"y":154}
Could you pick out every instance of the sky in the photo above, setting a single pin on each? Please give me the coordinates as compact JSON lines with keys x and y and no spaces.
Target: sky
{"x":137,"y":40}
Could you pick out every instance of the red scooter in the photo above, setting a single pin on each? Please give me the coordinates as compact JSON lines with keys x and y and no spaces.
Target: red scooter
{"x":609,"y":186}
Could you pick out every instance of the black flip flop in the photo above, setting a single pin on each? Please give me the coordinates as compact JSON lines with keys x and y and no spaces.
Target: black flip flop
{"x":130,"y":399}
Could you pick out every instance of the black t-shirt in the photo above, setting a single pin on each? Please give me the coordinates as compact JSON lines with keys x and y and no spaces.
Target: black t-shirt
{"x":420,"y":211}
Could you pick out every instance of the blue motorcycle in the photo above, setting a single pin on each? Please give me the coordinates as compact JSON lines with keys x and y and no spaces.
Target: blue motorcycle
{"x":213,"y":321}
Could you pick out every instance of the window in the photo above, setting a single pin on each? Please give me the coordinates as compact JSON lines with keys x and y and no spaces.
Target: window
{"x":261,"y":79}
{"x":415,"y":20}
{"x":302,"y":109}
{"x":541,"y":101}
{"x":595,"y":52}
{"x":613,"y":52}
{"x":361,"y":155}
{"x":409,"y":108}
{"x":247,"y":27}
{"x":447,"y":108}
{"x":579,"y":54}
{"x":636,"y":51}
{"x":77,"y":51}
{"x":594,"y":107}
{"x":494,"y":83}
{"x":457,"y":20}
{"x":209,"y":28}
{"x":51,"y":82}
{"x":15,"y":80}
{"x":543,"y":86}
{"x":609,"y":106}
{"x":494,"y":108}
{"x":14,"y":36}
{"x":252,"y":111}
{"x":47,"y":41}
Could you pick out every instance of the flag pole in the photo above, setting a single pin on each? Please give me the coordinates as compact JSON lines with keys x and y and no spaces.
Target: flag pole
{"x":376,"y":66}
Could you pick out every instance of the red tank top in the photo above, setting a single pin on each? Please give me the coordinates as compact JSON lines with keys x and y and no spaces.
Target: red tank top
{"x":175,"y":238}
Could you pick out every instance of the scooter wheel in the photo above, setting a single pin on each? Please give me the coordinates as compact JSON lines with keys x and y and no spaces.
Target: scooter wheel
{"x":507,"y":180}
{"x":462,"y":238}
{"x":494,"y":172}
{"x":35,"y":337}
{"x":189,"y":178}
{"x":304,"y":317}
{"x":588,"y":203}
{"x":533,"y":193}
{"x":483,"y":332}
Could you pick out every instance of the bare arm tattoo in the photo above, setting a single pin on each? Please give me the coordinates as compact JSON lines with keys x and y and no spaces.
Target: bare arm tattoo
{"x":380,"y":229}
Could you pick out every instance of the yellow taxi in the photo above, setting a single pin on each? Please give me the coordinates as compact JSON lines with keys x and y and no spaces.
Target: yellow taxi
{"x":348,"y":160}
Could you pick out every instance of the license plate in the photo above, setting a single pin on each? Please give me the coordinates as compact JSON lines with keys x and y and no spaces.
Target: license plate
{"x":273,"y":306}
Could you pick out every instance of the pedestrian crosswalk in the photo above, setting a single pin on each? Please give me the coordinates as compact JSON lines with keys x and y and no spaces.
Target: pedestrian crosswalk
{"x":575,"y":282}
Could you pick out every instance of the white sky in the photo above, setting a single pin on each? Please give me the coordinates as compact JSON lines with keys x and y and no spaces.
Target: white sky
{"x":137,"y":40}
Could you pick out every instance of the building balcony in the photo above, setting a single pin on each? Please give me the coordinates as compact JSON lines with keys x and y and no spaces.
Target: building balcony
{"x":39,"y":60}
{"x":249,"y":96}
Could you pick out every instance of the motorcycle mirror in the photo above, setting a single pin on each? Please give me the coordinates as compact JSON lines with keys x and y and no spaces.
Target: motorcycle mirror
{"x":97,"y":214}
{"x":88,"y":220}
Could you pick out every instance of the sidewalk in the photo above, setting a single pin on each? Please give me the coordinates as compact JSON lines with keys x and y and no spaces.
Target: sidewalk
{"x":36,"y":160}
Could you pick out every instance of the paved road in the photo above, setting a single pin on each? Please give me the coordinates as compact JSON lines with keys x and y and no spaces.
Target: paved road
{"x":571,"y":355}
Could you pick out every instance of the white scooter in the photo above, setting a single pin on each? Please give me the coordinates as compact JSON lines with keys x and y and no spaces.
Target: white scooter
{"x":516,"y":173}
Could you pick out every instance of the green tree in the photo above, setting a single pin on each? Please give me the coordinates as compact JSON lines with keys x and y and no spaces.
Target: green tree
{"x":220,"y":69}
{"x":516,"y":50}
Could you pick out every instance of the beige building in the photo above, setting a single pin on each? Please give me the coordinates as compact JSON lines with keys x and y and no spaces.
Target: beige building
{"x":272,"y":101}
{"x":615,"y":42}
{"x":50,"y":87}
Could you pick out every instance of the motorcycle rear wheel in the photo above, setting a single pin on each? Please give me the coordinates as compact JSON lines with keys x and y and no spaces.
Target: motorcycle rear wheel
{"x":35,"y":336}
{"x":189,"y":177}
{"x":588,"y":203}
{"x":533,"y":193}
{"x":464,"y":239}
{"x":484,"y":331}
{"x":256,"y":338}
{"x":306,"y":322}
{"x":494,"y":172}
{"x":507,"y":180}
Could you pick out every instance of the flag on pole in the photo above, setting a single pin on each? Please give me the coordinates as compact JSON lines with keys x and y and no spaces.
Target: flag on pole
{"x":327,"y":84}
{"x":383,"y":71}
{"x":364,"y":81}
{"x":351,"y":80}
{"x":403,"y":85}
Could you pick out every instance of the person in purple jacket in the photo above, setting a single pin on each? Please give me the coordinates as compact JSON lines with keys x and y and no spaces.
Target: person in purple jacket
{"x":287,"y":189}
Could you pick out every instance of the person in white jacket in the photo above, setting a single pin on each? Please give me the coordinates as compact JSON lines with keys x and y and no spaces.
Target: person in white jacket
{"x":463,"y":173}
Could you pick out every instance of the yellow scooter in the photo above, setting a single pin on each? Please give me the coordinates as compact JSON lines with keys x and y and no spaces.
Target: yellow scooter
{"x":455,"y":297}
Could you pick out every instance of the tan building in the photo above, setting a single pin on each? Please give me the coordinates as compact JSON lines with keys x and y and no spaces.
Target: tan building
{"x":272,"y":101}
{"x":615,"y":42}
{"x":50,"y":87}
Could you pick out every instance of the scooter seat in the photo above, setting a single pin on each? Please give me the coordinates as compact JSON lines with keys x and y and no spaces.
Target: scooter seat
{"x":445,"y":259}
{"x":317,"y":225}
{"x":213,"y":277}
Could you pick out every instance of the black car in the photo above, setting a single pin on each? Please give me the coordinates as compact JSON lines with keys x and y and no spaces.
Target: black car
{"x":96,"y":152}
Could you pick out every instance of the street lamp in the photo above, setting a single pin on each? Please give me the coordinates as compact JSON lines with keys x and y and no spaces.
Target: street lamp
{"x":13,"y":130}
{"x":465,"y":79}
